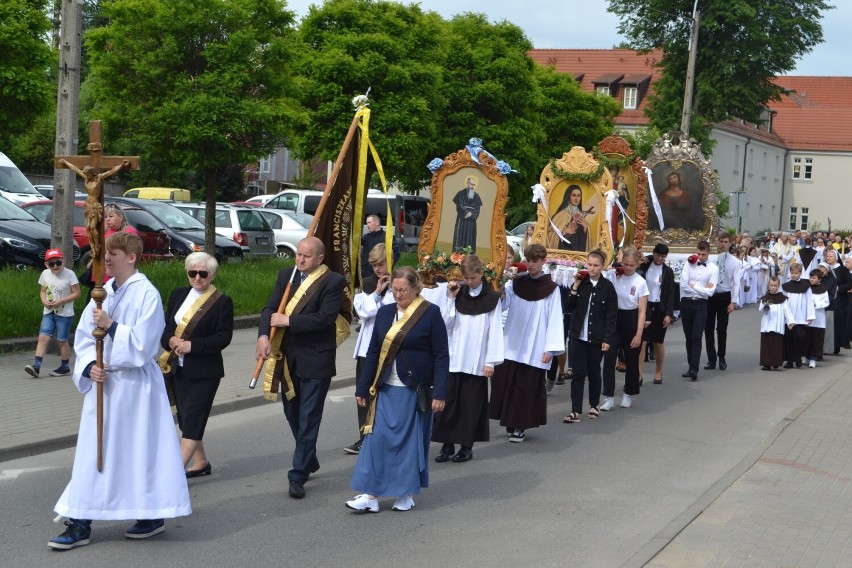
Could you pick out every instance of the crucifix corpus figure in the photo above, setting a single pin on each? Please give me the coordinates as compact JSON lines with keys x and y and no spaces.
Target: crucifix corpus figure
{"x":90,"y":168}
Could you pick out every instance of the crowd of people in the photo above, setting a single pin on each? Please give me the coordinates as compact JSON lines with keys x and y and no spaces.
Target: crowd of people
{"x":434,"y":364}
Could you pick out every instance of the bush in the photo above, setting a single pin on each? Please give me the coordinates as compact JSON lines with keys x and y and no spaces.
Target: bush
{"x":248,"y":283}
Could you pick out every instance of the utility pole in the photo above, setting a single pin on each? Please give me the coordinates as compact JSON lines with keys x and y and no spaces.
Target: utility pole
{"x":690,"y":72}
{"x":67,"y":117}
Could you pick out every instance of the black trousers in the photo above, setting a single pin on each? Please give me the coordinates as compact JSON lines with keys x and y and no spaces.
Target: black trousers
{"x":794,"y":343}
{"x":586,"y":358}
{"x":625,"y":330}
{"x":304,"y":414}
{"x":717,"y":316}
{"x":362,"y":411}
{"x":693,"y":316}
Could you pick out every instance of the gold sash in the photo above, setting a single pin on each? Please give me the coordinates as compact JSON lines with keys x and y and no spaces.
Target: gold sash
{"x":167,"y":358}
{"x":271,"y":383}
{"x":390,"y":346}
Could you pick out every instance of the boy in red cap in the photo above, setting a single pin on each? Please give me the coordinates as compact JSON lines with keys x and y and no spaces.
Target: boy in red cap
{"x":59,"y":289}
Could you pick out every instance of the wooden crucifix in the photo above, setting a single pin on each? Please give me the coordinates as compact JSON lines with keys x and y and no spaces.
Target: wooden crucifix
{"x":95,"y":169}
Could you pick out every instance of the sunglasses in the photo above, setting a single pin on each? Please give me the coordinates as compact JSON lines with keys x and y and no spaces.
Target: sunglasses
{"x":54,"y":263}
{"x":194,"y":273}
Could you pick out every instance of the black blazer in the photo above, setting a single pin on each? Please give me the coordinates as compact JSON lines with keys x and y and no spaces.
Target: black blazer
{"x":424,"y":352}
{"x":211,"y":335}
{"x":603,"y":312}
{"x":311,"y":345}
{"x":668,"y":290}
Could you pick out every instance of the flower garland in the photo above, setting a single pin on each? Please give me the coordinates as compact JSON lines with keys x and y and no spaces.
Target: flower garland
{"x":604,"y":163}
{"x":443,"y":264}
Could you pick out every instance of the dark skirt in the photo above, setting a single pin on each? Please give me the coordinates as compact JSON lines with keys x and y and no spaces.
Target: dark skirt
{"x":393,"y":460}
{"x":655,"y":333}
{"x":193,"y":399}
{"x":518,"y":399}
{"x":771,"y":349}
{"x":814,"y":340}
{"x":464,"y":419}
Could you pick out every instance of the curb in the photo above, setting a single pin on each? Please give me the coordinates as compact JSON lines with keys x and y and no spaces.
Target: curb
{"x":65,"y":442}
{"x":25,"y":344}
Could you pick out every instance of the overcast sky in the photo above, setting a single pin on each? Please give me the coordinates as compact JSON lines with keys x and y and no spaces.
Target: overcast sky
{"x":547,"y":24}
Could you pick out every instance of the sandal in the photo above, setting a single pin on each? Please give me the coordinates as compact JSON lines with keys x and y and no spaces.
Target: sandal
{"x":594,"y":413}
{"x":569,"y":372}
{"x":572,"y":418}
{"x":620,"y":367}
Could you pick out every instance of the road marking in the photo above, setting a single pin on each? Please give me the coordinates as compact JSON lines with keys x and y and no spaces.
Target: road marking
{"x":341,"y":398}
{"x":12,"y":474}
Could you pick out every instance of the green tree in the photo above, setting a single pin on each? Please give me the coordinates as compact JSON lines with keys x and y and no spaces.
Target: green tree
{"x":395,"y":51}
{"x":26,"y":62}
{"x":742,"y":46}
{"x":194,"y":85}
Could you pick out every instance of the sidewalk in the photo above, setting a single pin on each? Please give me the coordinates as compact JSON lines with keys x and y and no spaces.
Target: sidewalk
{"x":788,"y":504}
{"x":42,"y":415}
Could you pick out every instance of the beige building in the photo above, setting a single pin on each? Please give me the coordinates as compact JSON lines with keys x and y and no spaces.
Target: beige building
{"x":790,"y":172}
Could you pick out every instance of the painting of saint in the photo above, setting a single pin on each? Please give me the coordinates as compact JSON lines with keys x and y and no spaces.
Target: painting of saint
{"x":681,"y":198}
{"x":468,"y":203}
{"x":570,"y":218}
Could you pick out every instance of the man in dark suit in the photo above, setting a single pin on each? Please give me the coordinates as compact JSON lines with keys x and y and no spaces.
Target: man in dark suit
{"x":309,"y":346}
{"x":661,"y":302}
{"x":374,"y":235}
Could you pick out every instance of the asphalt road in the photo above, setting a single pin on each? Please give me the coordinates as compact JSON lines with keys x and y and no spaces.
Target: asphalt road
{"x":597,"y":493}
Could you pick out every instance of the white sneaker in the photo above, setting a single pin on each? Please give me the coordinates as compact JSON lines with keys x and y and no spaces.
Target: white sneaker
{"x":403,"y":503}
{"x":608,"y":403}
{"x":517,"y":436}
{"x":363,"y":504}
{"x":626,"y":401}
{"x":812,"y":364}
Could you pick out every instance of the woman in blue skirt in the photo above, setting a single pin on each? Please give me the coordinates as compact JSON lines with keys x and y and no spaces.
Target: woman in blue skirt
{"x":408,"y":359}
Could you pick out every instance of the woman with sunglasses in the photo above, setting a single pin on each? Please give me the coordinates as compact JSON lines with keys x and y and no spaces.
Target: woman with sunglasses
{"x":199,"y":325}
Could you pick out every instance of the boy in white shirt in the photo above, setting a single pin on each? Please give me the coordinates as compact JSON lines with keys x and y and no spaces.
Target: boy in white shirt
{"x":799,"y":297}
{"x":59,"y":289}
{"x":815,"y":335}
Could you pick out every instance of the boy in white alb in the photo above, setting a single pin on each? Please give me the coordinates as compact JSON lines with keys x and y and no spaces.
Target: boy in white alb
{"x":59,"y":289}
{"x":799,"y":297}
{"x":774,"y":321}
{"x":815,"y":335}
{"x":142,"y":476}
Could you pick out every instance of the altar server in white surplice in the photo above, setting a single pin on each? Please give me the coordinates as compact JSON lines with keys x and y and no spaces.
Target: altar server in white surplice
{"x":774,"y":321}
{"x":143,"y":476}
{"x":532,"y":337}
{"x":475,"y":331}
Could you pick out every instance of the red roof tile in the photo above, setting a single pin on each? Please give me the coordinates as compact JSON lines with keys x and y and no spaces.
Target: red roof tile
{"x":817,"y":116}
{"x":590,"y":66}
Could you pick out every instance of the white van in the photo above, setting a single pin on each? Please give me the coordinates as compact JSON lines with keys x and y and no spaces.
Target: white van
{"x":13,"y":185}
{"x":408,"y":211}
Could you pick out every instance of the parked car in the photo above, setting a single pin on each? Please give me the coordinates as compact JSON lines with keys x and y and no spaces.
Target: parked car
{"x":408,"y":211}
{"x":260,"y":199}
{"x":185,"y":232}
{"x":168,"y":193}
{"x":45,"y":190}
{"x":245,"y":225}
{"x":13,"y":185}
{"x":514,"y":236}
{"x":245,"y":203}
{"x":289,"y":229}
{"x":23,"y":238}
{"x":154,"y":238}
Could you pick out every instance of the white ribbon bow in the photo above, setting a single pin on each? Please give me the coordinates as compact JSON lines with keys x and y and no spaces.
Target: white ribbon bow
{"x":612,"y":200}
{"x":539,"y":196}
{"x":654,"y":201}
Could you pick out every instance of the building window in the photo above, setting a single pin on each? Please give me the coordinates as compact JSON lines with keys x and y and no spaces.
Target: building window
{"x":793,"y":211}
{"x":602,"y":89}
{"x":809,"y":168}
{"x":264,"y":165}
{"x":631,"y":94}
{"x":797,"y":168}
{"x":804,"y":217}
